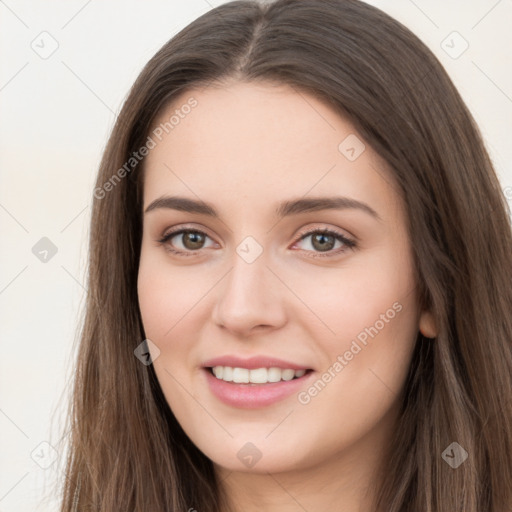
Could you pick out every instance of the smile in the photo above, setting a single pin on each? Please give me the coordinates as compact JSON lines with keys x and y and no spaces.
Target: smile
{"x":255,"y":376}
{"x":255,"y":388}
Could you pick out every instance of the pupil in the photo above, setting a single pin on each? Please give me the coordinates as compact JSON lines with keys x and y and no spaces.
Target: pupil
{"x":193,"y":240}
{"x":321,"y":238}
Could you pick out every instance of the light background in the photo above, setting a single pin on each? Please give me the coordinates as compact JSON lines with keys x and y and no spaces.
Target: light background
{"x":56,"y":114}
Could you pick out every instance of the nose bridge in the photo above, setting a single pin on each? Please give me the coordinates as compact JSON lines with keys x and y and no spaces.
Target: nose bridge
{"x":248,"y":297}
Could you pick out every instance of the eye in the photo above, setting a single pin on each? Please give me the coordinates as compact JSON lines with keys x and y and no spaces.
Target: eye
{"x":191,"y":240}
{"x":323,"y":241}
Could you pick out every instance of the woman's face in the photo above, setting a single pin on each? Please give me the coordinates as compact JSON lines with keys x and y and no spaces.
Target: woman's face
{"x":297,"y":258}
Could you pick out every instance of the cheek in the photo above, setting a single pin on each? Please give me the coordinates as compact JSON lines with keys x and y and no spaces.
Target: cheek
{"x":369,"y":325}
{"x":165,"y":300}
{"x":156,"y":298}
{"x":165,"y":293}
{"x":172,"y":303}
{"x":375,"y":292}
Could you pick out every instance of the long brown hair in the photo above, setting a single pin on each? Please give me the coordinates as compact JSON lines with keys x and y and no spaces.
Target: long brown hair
{"x":126,"y":450}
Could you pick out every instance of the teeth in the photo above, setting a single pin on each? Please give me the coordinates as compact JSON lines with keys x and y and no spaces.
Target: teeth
{"x":240,"y":375}
{"x":256,"y":376}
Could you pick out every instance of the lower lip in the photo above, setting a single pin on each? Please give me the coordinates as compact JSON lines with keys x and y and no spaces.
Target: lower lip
{"x":254,"y":396}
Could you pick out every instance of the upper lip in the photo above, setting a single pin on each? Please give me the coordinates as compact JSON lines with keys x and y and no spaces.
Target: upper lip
{"x":252,"y":363}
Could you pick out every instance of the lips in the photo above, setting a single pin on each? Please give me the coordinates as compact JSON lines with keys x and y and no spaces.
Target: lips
{"x":253,"y":395}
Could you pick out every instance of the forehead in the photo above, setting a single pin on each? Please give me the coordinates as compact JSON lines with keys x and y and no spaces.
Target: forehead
{"x":242,"y":118}
{"x":260,"y":140}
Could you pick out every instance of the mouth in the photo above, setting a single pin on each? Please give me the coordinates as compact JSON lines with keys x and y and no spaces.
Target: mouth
{"x":255,"y":388}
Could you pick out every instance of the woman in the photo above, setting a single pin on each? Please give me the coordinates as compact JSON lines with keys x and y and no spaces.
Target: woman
{"x":299,"y":290}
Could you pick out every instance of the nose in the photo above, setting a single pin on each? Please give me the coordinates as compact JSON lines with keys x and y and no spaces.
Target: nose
{"x":249,"y":299}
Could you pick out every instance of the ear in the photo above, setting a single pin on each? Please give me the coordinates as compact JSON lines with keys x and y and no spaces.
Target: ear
{"x":427,"y":325}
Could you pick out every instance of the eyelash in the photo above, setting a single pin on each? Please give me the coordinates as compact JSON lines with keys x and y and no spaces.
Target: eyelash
{"x":348,"y":243}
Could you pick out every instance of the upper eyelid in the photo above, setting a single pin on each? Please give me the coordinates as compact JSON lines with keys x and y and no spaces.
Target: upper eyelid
{"x":178,"y":230}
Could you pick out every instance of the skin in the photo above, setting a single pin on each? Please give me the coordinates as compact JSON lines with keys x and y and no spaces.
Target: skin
{"x":244,"y":148}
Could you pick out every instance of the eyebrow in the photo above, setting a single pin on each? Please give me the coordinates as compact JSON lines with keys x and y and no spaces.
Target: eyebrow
{"x":284,"y":209}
